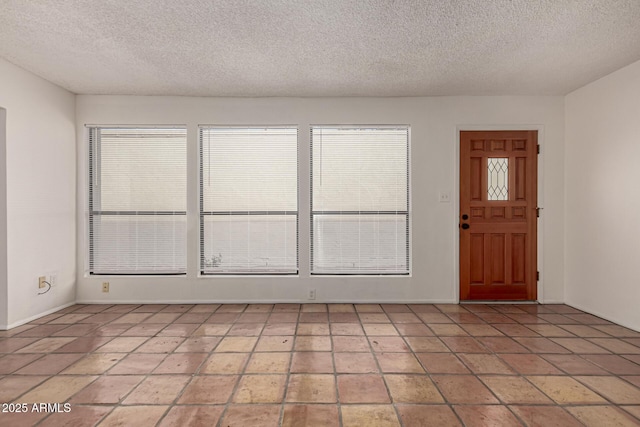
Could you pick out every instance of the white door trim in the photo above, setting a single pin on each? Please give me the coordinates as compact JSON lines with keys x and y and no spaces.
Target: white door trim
{"x":456,"y":198}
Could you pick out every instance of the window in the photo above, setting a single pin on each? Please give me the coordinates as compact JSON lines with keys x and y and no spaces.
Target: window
{"x":137,"y":200}
{"x":360,"y":200}
{"x":248,"y":200}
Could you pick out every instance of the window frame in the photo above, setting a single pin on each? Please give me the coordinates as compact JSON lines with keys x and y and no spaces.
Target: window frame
{"x":407,"y":213}
{"x":202,"y":213}
{"x":94,"y":166}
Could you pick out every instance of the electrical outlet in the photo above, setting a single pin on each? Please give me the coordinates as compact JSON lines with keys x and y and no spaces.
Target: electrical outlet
{"x":42,"y":282}
{"x":105,"y":286}
{"x":312,"y":294}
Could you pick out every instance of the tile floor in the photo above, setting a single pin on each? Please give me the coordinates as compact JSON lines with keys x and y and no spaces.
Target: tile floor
{"x":320,"y":365}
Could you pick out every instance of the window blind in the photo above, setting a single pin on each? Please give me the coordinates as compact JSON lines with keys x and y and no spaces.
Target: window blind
{"x":137,"y":200}
{"x":248,"y":200}
{"x":360,"y":200}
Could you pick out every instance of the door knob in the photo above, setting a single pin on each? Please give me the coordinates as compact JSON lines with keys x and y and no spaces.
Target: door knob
{"x":465,"y":226}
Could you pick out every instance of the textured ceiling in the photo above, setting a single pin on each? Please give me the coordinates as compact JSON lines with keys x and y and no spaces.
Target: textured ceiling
{"x":320,"y":47}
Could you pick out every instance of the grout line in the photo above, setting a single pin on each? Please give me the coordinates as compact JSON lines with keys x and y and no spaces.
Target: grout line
{"x":519,"y":315}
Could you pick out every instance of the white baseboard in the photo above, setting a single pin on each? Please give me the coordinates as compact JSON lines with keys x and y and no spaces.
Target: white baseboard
{"x":497,"y":302}
{"x":263,"y":301}
{"x":37,"y":316}
{"x":603,"y":316}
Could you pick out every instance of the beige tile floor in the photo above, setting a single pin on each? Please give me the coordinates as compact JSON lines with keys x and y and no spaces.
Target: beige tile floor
{"x":320,"y":365}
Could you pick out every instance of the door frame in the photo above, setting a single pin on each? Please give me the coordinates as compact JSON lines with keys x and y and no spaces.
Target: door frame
{"x":456,"y":200}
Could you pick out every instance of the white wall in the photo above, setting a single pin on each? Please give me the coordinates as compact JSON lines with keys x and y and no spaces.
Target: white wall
{"x":434,"y":123}
{"x":41,"y":193}
{"x":603,"y":197}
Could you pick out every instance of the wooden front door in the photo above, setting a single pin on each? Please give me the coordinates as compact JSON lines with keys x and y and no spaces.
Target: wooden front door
{"x":498,"y":206}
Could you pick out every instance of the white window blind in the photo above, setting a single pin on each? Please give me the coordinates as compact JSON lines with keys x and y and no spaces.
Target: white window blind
{"x":360,"y":200}
{"x":248,"y":200}
{"x":137,"y":200}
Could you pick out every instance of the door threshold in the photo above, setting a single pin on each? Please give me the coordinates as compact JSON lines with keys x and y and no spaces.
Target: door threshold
{"x":499,"y":302}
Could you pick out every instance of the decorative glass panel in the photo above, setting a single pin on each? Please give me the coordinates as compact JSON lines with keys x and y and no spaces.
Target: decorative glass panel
{"x":498,"y":178}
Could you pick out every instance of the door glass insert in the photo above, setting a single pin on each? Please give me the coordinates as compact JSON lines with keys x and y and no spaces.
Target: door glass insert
{"x":498,"y":178}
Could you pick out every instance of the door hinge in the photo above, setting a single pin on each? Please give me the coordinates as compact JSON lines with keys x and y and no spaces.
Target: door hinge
{"x":537,"y":276}
{"x":538,"y":148}
{"x":538,"y":212}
